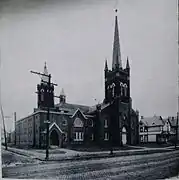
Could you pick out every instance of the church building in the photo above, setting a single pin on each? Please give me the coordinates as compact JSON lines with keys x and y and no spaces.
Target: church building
{"x":111,"y":123}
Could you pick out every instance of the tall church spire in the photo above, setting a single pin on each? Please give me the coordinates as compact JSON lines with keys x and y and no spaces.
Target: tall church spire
{"x":116,"y":62}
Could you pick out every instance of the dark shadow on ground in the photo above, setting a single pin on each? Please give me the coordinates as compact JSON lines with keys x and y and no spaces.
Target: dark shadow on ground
{"x":97,"y":149}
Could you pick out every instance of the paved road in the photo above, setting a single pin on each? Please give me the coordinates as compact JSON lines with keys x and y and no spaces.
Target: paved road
{"x":153,"y":166}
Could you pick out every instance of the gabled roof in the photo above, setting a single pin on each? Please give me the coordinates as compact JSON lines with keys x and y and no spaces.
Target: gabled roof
{"x":173,"y":121}
{"x":78,"y":110}
{"x":152,"y":121}
{"x":54,"y":124}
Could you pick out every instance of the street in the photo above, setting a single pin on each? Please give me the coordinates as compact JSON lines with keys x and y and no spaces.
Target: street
{"x":151,"y":166}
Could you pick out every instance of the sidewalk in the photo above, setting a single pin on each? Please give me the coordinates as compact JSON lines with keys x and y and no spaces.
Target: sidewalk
{"x":61,"y":154}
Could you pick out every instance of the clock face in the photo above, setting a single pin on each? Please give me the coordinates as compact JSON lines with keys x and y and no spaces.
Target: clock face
{"x":117,"y":74}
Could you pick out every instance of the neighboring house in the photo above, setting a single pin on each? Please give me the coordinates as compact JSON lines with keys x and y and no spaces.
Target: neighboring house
{"x":157,"y":129}
{"x":151,"y":129}
{"x":172,"y":121}
{"x":110,"y":123}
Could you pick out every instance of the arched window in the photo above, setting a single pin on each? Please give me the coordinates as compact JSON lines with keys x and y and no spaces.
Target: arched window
{"x":78,"y":122}
{"x":121,"y":88}
{"x":42,"y":95}
{"x":125,"y":89}
{"x":113,"y":89}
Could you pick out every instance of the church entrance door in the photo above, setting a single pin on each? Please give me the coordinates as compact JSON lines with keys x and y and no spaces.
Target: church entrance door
{"x":124,"y":136}
{"x":54,"y":138}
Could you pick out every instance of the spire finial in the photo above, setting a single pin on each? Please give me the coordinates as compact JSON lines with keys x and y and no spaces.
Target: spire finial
{"x":127,"y":63}
{"x":45,"y":64}
{"x":106,"y":65}
{"x":116,"y":10}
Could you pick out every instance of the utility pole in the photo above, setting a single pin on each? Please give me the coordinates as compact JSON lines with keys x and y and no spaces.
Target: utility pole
{"x":15,"y":128}
{"x":176,"y":132}
{"x":4,"y":127}
{"x":47,"y":122}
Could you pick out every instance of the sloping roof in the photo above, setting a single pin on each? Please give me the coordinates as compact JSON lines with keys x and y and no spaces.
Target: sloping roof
{"x":172,"y":121}
{"x":94,"y":108}
{"x":152,"y":121}
{"x":78,"y":110}
{"x":72,"y":107}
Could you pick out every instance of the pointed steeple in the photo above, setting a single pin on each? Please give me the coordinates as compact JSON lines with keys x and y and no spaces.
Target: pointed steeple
{"x":127,"y":64}
{"x":106,"y":65}
{"x":116,"y":62}
{"x":62,"y":93}
{"x":45,"y":78}
{"x":62,"y":96}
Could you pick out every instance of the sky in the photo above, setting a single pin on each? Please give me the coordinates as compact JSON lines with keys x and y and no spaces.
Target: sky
{"x":75,"y":38}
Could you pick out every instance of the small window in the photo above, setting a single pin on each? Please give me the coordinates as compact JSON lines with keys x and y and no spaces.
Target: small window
{"x":141,"y":129}
{"x":106,"y":136}
{"x":91,"y":123}
{"x":145,"y":138}
{"x":141,"y":138}
{"x":105,"y":123}
{"x":92,"y":137}
{"x":64,"y":122}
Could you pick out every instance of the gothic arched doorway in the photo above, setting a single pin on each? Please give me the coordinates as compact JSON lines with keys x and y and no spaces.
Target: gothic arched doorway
{"x":54,"y":138}
{"x":124,"y":136}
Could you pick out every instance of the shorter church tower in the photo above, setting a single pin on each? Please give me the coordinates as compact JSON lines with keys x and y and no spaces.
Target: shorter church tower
{"x":62,"y":96}
{"x":45,"y":93}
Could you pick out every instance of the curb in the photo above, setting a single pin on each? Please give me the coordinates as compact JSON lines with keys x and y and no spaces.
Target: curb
{"x":100,"y":156}
{"x":95,"y":156}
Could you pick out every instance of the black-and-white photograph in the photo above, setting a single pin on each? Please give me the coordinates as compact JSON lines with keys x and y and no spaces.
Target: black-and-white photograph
{"x":89,"y":89}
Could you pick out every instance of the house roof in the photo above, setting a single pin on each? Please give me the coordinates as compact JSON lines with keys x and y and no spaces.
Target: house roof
{"x":152,"y":121}
{"x":172,"y":121}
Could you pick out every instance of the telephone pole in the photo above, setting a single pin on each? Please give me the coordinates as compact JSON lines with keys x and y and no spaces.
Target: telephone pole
{"x":15,"y":128}
{"x":176,"y":132}
{"x":47,"y":122}
{"x":4,"y":127}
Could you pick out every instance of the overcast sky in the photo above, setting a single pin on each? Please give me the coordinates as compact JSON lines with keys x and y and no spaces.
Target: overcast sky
{"x":75,"y":37}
